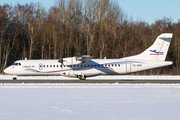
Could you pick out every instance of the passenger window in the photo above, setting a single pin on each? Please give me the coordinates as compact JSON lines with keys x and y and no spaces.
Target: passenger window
{"x":19,"y":64}
{"x":44,"y":66}
{"x":47,"y":65}
{"x":139,"y":65}
{"x":53,"y":65}
{"x":119,"y":65}
{"x":16,"y":64}
{"x":57,"y":65}
{"x":60,"y":65}
{"x":50,"y":65}
{"x":109,"y":65}
{"x":112,"y":65}
{"x":70,"y":65}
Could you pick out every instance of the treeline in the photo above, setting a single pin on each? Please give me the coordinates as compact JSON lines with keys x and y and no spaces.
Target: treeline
{"x":76,"y":27}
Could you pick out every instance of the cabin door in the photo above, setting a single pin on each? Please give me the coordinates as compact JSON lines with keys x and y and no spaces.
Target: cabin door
{"x":128,"y":66}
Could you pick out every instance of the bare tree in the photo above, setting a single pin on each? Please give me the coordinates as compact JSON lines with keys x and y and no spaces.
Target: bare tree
{"x":33,"y":16}
{"x":90,"y":35}
{"x":106,"y":13}
{"x":3,"y":22}
{"x":11,"y":31}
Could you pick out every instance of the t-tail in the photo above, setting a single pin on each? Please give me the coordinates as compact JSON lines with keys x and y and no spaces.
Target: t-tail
{"x":157,"y":51}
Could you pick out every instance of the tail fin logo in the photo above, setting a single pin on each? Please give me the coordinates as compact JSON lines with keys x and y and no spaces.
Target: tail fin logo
{"x":154,"y":52}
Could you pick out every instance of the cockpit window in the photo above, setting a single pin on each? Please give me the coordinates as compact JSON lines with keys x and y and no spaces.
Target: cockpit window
{"x":17,"y":64}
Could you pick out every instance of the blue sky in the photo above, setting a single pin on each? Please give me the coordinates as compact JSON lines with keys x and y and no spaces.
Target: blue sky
{"x":151,"y":10}
{"x":145,"y":10}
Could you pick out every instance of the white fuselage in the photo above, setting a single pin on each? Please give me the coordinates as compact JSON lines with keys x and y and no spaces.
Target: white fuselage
{"x":72,"y":68}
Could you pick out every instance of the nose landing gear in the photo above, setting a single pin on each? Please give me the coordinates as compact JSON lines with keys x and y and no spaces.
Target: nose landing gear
{"x":14,"y":77}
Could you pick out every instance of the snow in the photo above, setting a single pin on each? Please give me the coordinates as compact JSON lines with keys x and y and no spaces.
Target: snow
{"x":62,"y":101}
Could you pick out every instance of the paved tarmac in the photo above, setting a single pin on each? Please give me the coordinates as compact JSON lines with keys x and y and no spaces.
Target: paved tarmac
{"x":92,"y":81}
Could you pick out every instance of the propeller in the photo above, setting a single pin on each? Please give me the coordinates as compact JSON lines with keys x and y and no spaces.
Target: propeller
{"x":61,"y":60}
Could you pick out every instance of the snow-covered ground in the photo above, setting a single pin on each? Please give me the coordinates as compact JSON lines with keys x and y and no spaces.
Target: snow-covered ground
{"x":110,"y":77}
{"x":89,"y":101}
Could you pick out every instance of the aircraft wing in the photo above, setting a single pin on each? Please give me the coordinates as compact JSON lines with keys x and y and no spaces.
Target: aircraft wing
{"x":83,"y":58}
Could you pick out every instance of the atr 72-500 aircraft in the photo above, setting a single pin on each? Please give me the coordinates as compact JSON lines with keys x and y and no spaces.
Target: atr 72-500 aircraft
{"x":84,"y":66}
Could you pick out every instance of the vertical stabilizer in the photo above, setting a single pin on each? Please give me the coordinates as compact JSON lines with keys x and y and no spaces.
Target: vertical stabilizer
{"x":157,"y":51}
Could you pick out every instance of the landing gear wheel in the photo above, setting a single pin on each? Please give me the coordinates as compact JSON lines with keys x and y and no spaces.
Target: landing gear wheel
{"x":82,"y":77}
{"x":14,"y":78}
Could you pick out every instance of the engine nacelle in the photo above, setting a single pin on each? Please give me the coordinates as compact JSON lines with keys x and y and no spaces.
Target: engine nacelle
{"x":86,"y":73}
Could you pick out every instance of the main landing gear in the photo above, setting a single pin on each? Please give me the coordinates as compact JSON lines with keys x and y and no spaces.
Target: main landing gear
{"x":81,"y":77}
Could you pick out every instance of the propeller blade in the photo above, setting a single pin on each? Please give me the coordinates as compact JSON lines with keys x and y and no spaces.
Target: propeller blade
{"x":61,"y":60}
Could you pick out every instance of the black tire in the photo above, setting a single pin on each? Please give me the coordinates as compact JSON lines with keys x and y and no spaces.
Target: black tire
{"x":80,"y":77}
{"x":14,"y":78}
{"x":83,"y":78}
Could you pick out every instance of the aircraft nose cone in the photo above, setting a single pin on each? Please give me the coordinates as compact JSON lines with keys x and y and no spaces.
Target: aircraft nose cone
{"x":6,"y":70}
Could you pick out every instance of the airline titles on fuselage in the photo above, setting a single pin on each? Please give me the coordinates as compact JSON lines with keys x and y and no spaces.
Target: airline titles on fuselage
{"x":28,"y":66}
